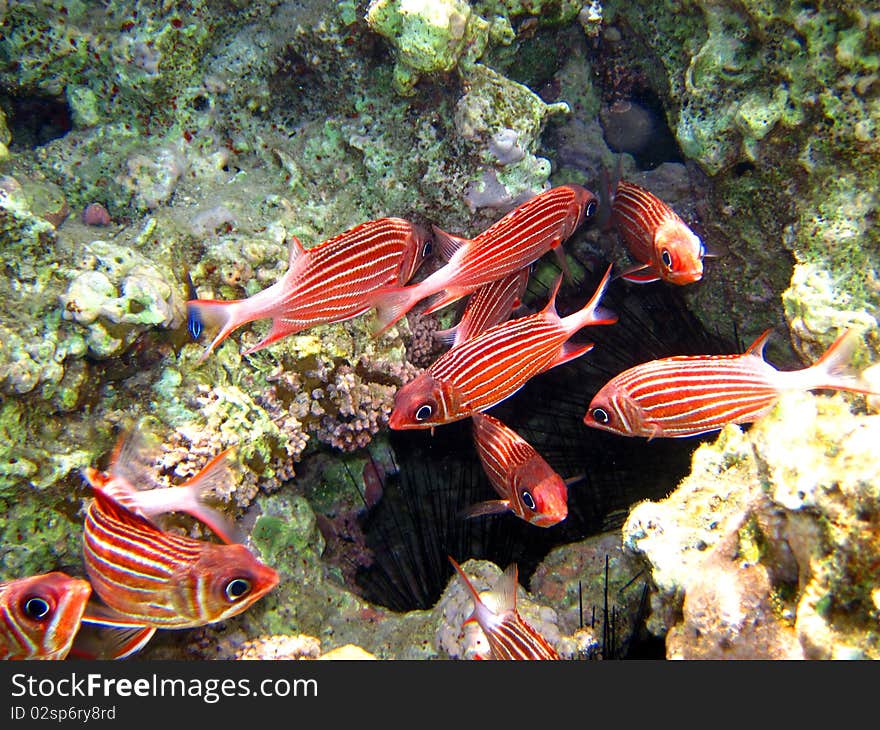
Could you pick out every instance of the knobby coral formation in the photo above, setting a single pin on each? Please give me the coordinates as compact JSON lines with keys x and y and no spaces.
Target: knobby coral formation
{"x":769,"y":548}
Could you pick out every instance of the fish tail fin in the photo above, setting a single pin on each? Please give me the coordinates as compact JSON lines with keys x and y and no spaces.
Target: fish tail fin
{"x":834,"y":371}
{"x":592,"y":313}
{"x":215,"y":474}
{"x":550,"y":306}
{"x":224,"y":316}
{"x":448,"y":336}
{"x":392,"y":303}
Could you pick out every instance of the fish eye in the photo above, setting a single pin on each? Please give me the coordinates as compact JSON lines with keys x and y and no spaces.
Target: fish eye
{"x":427,"y":249}
{"x":666,"y":258}
{"x":527,"y":499}
{"x":600,"y":415}
{"x":423,"y":412}
{"x":591,"y":209}
{"x":36,"y":608}
{"x":236,"y":588}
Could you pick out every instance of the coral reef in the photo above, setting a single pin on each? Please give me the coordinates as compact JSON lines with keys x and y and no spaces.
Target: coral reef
{"x":193,"y":145}
{"x":769,"y":548}
{"x":775,"y":102}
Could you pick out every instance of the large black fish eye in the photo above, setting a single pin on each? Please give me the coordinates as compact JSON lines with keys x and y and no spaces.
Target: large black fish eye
{"x":600,"y":415}
{"x":36,"y":608}
{"x":527,"y":499}
{"x":236,"y":588}
{"x":666,"y":258}
{"x":591,"y":209}
{"x":427,"y":249}
{"x":423,"y":412}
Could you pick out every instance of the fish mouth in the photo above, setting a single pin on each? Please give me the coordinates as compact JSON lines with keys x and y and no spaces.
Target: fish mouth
{"x":549,"y":520}
{"x":687,"y":277}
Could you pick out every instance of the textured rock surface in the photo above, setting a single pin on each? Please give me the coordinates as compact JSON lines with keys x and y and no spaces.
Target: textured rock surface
{"x":777,"y":102}
{"x":769,"y":548}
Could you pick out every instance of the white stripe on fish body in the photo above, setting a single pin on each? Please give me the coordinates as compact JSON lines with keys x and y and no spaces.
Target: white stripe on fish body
{"x":489,"y":305}
{"x":493,"y":254}
{"x":313,"y":285}
{"x":383,"y":257}
{"x":166,"y":547}
{"x":504,"y":354}
{"x":514,"y":639}
{"x":23,"y":641}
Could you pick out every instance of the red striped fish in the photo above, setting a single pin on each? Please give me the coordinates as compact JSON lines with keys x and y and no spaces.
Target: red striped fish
{"x":132,"y":482}
{"x":663,"y":244}
{"x":162,"y":580}
{"x":489,"y":305}
{"x":492,"y":366}
{"x":507,"y":246}
{"x":690,"y":395}
{"x":527,"y":484}
{"x":330,"y":282}
{"x":40,"y":615}
{"x":508,"y":635}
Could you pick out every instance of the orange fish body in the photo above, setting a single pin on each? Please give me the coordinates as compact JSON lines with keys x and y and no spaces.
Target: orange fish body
{"x":663,"y":244}
{"x":331,"y":282}
{"x":492,"y":366}
{"x":682,"y":396}
{"x":489,"y":305}
{"x":508,"y":635}
{"x":40,"y":615}
{"x":527,"y":484}
{"x":509,"y":245}
{"x":158,"y":579}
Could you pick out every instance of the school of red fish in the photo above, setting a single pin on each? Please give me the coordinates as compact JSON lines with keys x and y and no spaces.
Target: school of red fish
{"x":141,"y":578}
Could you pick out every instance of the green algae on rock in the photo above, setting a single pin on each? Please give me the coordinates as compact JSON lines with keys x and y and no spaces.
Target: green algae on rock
{"x":785,"y":518}
{"x":429,"y":36}
{"x":774,"y":102}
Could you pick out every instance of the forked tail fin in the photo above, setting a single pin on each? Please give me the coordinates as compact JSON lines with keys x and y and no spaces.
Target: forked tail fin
{"x":189,"y":498}
{"x":833,"y":371}
{"x":591,"y":312}
{"x":392,"y":303}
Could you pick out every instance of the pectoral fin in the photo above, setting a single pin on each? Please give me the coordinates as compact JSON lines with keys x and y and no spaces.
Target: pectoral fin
{"x":490,"y":507}
{"x":641,"y":274}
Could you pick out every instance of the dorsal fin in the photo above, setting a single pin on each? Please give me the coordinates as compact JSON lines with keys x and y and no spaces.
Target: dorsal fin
{"x":446,"y":244}
{"x":119,"y":511}
{"x":756,"y":349}
{"x":296,"y":250}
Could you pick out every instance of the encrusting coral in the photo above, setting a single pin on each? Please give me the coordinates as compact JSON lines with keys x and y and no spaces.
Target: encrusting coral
{"x":771,"y":542}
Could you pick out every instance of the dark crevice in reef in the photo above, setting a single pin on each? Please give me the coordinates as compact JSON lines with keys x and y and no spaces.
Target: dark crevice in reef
{"x":34,"y":120}
{"x":417,"y":522}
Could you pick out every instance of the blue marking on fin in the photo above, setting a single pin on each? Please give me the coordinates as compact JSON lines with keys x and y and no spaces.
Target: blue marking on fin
{"x":194,"y":324}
